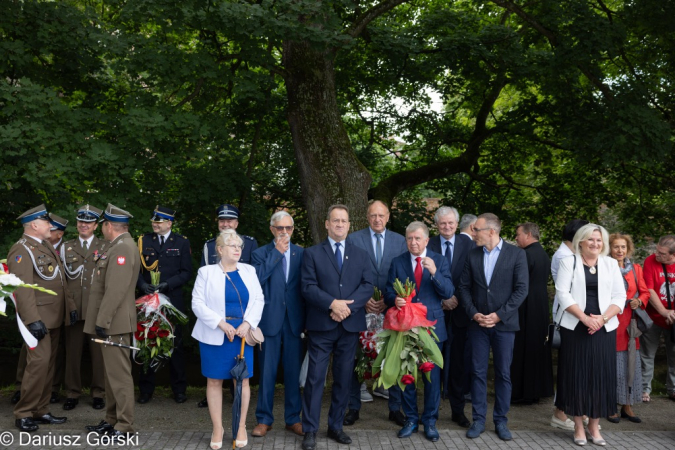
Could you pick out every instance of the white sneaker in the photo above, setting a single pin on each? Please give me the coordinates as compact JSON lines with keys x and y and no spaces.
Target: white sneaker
{"x":563,"y":425}
{"x":365,"y":395}
{"x":380,"y":391}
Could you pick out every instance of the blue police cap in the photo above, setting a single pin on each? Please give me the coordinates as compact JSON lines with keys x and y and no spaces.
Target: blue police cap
{"x":163,"y":214}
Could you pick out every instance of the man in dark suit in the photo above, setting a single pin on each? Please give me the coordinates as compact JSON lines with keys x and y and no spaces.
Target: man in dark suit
{"x":456,"y":351}
{"x":382,"y":246}
{"x":493,"y":285}
{"x":169,"y":253}
{"x":277,"y":265}
{"x":433,"y":284}
{"x":336,"y":284}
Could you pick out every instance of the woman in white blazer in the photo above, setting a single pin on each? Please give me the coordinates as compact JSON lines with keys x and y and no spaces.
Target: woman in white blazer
{"x":590,"y":292}
{"x":228,"y":301}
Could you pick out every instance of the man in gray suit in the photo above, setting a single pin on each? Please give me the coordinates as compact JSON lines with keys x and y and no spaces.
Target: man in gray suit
{"x":494,"y":284}
{"x":382,"y":246}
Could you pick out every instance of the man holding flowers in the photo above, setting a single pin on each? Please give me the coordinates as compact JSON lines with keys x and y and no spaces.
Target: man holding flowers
{"x":433,"y":283}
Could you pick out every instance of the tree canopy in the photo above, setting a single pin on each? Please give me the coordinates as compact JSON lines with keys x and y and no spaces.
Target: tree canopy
{"x":540,"y":111}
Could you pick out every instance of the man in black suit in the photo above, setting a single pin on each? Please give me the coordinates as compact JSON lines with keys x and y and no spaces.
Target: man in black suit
{"x":336,"y":282}
{"x":169,"y":253}
{"x":493,"y":285}
{"x":455,"y":380}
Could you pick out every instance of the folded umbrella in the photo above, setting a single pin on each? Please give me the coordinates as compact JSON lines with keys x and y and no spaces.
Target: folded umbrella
{"x":238,"y":372}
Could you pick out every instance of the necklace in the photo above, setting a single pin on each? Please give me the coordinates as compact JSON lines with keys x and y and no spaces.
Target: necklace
{"x":592,"y":268}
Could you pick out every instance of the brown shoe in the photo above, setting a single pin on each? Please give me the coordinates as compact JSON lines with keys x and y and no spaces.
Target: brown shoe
{"x":261,"y":430}
{"x":295,"y":428}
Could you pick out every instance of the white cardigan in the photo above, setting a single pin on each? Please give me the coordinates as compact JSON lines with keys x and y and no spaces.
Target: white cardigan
{"x":208,"y":301}
{"x":611,"y":290}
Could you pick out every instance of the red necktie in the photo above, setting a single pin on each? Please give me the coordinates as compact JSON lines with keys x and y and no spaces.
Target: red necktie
{"x":418,"y":273}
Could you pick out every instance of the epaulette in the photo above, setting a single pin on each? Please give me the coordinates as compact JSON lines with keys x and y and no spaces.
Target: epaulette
{"x":178,"y":235}
{"x":210,"y":240}
{"x":21,"y":241}
{"x":247,"y":237}
{"x":70,"y":242}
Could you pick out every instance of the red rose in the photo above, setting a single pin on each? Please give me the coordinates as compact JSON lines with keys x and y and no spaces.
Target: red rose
{"x":154,"y":328}
{"x":377,"y":375}
{"x":407,"y":379}
{"x":151,"y":334}
{"x":139,"y":336}
{"x":140,"y":327}
{"x":367,"y":375}
{"x":373,"y":355}
{"x":163,"y":333}
{"x":426,"y":367}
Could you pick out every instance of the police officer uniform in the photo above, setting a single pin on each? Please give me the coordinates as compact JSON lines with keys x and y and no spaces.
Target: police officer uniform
{"x":171,"y":256}
{"x":34,"y":261}
{"x":78,"y":257}
{"x":209,"y":254}
{"x":112,"y":313}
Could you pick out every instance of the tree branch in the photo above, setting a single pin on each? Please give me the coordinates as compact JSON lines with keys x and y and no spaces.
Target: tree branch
{"x":194,"y":93}
{"x":373,"y":13}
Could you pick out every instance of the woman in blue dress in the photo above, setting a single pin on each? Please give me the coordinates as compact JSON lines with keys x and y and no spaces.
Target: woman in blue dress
{"x":228,"y":301}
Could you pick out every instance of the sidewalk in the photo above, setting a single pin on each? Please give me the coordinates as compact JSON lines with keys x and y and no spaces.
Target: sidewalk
{"x":362,"y":440}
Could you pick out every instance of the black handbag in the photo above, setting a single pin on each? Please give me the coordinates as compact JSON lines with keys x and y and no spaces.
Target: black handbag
{"x":642,"y":319}
{"x":553,"y":336}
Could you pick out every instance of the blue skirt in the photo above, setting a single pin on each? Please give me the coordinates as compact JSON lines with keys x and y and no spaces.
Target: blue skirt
{"x":218,"y":360}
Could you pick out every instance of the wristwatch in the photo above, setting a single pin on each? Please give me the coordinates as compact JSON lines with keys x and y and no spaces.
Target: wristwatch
{"x":604,"y":317}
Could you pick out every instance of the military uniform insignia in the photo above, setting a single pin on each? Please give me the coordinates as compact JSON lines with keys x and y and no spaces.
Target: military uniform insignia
{"x":51,"y":269}
{"x":42,"y":269}
{"x":104,"y":256}
{"x":69,"y":248}
{"x":121,"y":260}
{"x":18,"y":259}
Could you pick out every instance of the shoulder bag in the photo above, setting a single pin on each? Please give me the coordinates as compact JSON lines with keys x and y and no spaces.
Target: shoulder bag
{"x":255,"y":335}
{"x":553,"y":336}
{"x":642,"y":319}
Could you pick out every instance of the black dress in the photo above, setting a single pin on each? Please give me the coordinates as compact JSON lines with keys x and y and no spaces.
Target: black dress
{"x":531,"y":369}
{"x":587,"y":364}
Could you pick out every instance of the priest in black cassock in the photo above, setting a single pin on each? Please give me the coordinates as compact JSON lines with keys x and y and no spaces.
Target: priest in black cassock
{"x":531,"y":369}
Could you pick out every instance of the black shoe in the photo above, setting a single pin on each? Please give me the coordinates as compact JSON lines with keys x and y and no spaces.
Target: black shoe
{"x":351,"y":417}
{"x":98,"y":403}
{"x":144,"y":398}
{"x":102,"y":427}
{"x":118,"y":437}
{"x":54,"y":398}
{"x":634,"y":419}
{"x":461,"y":420}
{"x":48,"y":419}
{"x":203,"y":404}
{"x":309,"y":441}
{"x":398,"y":417}
{"x":339,"y":436}
{"x":26,"y":424}
{"x":180,"y":398}
{"x":614,"y":419}
{"x":15,"y":398}
{"x":70,"y":403}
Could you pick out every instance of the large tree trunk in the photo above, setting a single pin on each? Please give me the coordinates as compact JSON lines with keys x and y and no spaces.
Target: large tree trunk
{"x":329,"y":170}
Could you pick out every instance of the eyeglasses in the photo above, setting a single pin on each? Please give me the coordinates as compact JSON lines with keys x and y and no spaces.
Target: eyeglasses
{"x":482,"y":229}
{"x":235,"y":246}
{"x":287,"y":229}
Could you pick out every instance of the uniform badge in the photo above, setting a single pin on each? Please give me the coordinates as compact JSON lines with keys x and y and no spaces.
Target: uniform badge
{"x":104,"y":256}
{"x":121,"y":260}
{"x":42,"y":269}
{"x":18,"y":259}
{"x":69,"y":248}
{"x":51,"y":269}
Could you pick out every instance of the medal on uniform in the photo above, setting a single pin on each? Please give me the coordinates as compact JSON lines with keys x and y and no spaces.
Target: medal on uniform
{"x":51,"y":269}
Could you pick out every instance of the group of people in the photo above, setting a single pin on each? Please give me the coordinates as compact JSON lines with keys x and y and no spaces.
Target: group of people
{"x":483,"y":293}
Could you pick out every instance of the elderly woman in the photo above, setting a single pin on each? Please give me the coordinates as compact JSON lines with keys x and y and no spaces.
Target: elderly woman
{"x":590,"y":294}
{"x":228,"y":301}
{"x":637,"y":296}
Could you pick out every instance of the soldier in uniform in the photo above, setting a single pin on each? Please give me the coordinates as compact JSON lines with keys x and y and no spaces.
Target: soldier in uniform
{"x":228,"y":218}
{"x":168,"y":253}
{"x":34,"y":261}
{"x":78,"y":260}
{"x":58,"y":228}
{"x":111,"y":314}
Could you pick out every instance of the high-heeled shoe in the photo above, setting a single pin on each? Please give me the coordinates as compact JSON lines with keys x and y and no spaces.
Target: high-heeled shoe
{"x":634,"y":419}
{"x":241,"y":444}
{"x":217,"y":445}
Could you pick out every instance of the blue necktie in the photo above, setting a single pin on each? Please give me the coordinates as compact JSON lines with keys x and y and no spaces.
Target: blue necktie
{"x":448,"y":253}
{"x":338,"y":256}
{"x":378,"y":249}
{"x":285,"y":267}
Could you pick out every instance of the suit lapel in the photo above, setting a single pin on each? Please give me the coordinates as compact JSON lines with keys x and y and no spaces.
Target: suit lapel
{"x":77,"y":248}
{"x":408,"y":267}
{"x":368,"y":244}
{"x":481,"y":264}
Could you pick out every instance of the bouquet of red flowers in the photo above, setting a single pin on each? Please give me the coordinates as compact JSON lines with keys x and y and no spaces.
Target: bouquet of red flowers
{"x":154,"y":330}
{"x":407,"y":342}
{"x":365,"y":355}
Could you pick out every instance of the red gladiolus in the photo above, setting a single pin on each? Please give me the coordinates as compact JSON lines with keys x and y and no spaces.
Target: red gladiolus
{"x":377,"y":375}
{"x":426,"y":367}
{"x":407,"y":379}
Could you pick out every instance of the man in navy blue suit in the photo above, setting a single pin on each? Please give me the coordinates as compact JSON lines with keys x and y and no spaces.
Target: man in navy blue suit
{"x":456,"y":351}
{"x":382,"y":246}
{"x":431,"y":273}
{"x":277,"y":265}
{"x":336,"y":284}
{"x":493,"y":285}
